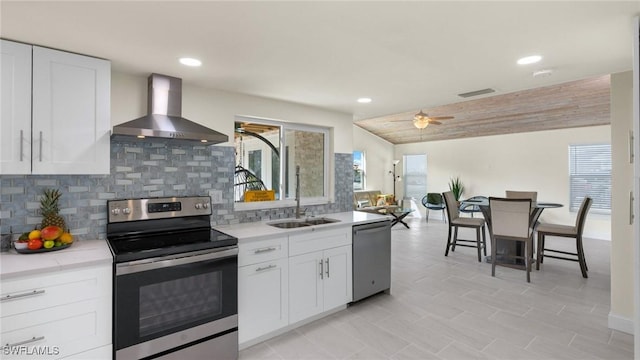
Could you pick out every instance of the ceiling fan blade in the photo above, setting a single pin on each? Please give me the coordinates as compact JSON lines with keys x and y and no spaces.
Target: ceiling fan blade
{"x":440,"y":117}
{"x":435,"y":122}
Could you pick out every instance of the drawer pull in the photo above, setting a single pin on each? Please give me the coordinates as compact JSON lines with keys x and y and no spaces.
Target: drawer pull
{"x":266,"y":267}
{"x":23,"y":295}
{"x":264,"y":250}
{"x":19,"y":343}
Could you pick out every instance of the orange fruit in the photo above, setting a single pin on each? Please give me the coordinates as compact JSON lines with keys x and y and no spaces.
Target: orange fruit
{"x":66,"y":238}
{"x":35,"y":234}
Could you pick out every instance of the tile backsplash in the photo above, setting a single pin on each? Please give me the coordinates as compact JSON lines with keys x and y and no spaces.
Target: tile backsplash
{"x":147,"y":169}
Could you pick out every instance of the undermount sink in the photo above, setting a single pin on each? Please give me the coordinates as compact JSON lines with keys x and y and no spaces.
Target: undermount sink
{"x":320,"y":221}
{"x":289,"y":224}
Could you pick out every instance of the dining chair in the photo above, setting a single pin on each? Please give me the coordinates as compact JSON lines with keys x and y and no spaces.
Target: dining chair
{"x":565,"y":231}
{"x":433,"y":201}
{"x":455,"y":222}
{"x":533,"y":195}
{"x":511,"y":194}
{"x":472,"y":209}
{"x":511,"y":221}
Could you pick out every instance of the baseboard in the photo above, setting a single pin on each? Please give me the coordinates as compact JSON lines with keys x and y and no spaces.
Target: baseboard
{"x":620,"y":323}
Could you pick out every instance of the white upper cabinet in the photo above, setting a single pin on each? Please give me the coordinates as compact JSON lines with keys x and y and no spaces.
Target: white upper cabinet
{"x":15,"y":108}
{"x":69,"y":104}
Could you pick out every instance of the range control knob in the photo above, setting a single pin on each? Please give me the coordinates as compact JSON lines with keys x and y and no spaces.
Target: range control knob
{"x":126,"y":211}
{"x":115,"y":211}
{"x":205,"y":205}
{"x":198,"y":206}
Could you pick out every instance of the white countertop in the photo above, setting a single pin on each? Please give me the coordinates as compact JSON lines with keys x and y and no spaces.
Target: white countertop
{"x":261,"y":230}
{"x":85,"y":252}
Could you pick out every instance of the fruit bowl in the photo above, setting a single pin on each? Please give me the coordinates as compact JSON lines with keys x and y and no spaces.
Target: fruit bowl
{"x":25,"y":250}
{"x":20,"y":245}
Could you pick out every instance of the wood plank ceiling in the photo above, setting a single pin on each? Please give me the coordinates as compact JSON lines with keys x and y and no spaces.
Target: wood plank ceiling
{"x":573,"y":104}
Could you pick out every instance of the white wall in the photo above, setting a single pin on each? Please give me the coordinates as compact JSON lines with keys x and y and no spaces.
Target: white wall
{"x":536,"y":161}
{"x":622,"y":304}
{"x":378,"y":160}
{"x":216,"y":109}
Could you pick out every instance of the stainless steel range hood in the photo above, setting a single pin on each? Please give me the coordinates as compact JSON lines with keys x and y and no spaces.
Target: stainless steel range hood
{"x":164,"y":120}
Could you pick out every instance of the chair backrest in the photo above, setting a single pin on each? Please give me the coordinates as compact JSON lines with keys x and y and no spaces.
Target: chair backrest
{"x":451,"y":205}
{"x":533,"y":195}
{"x":434,"y":199}
{"x":582,"y":214}
{"x":510,"y":217}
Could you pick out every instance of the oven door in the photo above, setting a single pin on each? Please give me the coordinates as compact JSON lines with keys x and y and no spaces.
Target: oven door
{"x":164,"y":303}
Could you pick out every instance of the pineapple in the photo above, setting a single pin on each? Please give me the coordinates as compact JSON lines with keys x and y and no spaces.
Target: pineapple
{"x":49,"y":209}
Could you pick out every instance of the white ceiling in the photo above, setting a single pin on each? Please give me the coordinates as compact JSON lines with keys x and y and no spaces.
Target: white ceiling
{"x":405,"y":55}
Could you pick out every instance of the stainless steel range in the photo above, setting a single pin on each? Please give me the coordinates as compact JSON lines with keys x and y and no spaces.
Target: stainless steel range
{"x":175,"y":280}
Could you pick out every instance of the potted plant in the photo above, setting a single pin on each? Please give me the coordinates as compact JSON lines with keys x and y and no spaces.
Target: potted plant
{"x":456,"y":187}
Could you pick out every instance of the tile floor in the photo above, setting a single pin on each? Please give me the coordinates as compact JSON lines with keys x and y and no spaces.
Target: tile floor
{"x":451,"y":308}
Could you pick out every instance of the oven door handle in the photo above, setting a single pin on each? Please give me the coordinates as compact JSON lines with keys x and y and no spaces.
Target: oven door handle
{"x":174,"y":260}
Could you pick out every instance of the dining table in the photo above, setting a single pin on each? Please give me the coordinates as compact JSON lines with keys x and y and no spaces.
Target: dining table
{"x":509,"y":247}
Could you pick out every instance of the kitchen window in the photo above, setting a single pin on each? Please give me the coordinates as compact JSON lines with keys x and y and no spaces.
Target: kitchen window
{"x":267,"y":153}
{"x":590,"y":175}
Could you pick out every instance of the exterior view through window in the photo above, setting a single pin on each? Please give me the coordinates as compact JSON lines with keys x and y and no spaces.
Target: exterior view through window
{"x":267,"y":153}
{"x":415,"y":176}
{"x":358,"y":170}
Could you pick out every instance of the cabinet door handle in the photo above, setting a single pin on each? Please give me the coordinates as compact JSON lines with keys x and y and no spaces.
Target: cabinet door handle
{"x":21,"y":146}
{"x":327,"y":267}
{"x":40,"y":146}
{"x":263,"y":268}
{"x":264,"y":250}
{"x":631,"y":214}
{"x":321,"y":268}
{"x":19,"y":343}
{"x":23,"y":295}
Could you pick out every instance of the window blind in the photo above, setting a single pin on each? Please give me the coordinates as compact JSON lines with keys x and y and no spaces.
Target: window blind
{"x":590,"y":175}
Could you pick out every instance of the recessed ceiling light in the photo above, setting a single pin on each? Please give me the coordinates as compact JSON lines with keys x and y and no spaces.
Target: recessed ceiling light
{"x":529,"y":60}
{"x":190,"y":62}
{"x":364,"y":100}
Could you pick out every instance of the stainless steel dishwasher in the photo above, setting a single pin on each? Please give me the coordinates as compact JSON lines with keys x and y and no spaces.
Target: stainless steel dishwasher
{"x":371,"y":259}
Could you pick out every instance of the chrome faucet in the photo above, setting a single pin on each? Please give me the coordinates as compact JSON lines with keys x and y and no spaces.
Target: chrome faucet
{"x":297,"y":191}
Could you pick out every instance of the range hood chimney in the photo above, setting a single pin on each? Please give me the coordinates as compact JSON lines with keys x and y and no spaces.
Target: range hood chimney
{"x":164,"y":118}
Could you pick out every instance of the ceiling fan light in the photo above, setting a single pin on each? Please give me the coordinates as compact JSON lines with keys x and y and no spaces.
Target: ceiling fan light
{"x":420,"y":123}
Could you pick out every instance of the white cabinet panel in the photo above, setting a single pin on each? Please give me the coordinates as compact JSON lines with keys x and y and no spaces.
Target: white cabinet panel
{"x":55,"y":115}
{"x":337,"y":280}
{"x":57,"y":314}
{"x":260,"y":251}
{"x":305,"y":286}
{"x":71,"y":113}
{"x":15,"y":108}
{"x":263,"y":303}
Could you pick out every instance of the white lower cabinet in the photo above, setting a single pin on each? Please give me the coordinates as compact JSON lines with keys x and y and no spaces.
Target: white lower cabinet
{"x":262,"y":298}
{"x":263,"y":288}
{"x":285,"y":280}
{"x":57,"y":314}
{"x":319,"y":281}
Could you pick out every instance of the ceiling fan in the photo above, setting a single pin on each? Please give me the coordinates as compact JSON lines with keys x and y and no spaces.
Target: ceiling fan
{"x":422,"y":120}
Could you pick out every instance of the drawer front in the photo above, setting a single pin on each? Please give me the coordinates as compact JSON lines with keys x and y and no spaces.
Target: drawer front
{"x":319,"y":240}
{"x":58,"y":331}
{"x":34,"y":292}
{"x":263,"y":250}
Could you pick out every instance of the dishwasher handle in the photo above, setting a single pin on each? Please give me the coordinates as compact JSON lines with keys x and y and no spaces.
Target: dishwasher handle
{"x":367,"y":229}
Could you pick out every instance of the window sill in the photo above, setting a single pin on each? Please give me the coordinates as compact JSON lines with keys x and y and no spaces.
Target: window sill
{"x":261,"y":205}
